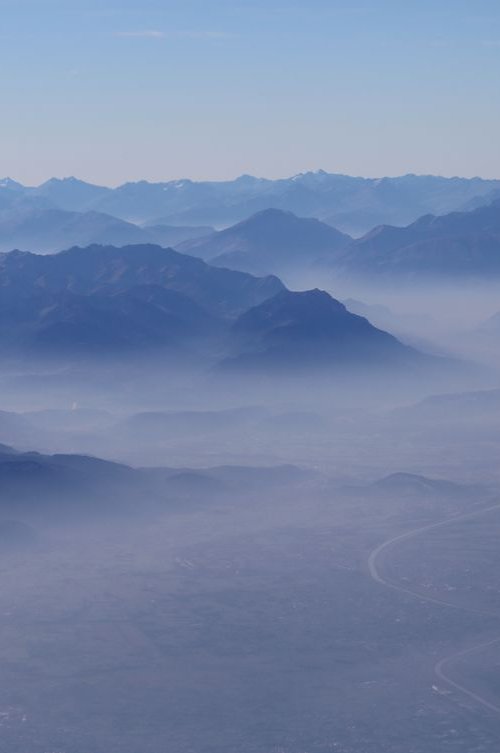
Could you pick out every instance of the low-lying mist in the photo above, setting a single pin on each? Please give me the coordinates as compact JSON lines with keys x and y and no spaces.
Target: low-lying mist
{"x":214,"y":551}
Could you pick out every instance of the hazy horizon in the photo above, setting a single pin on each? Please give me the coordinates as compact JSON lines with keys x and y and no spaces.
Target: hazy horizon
{"x":236,"y":176}
{"x":179,"y":89}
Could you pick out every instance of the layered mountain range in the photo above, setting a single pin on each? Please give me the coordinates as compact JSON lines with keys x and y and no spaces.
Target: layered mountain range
{"x":450,"y":246}
{"x":99,"y":298}
{"x":454,"y":245}
{"x":105,"y":300}
{"x":35,"y":485}
{"x":272,"y":240}
{"x":218,"y":297}
{"x":28,"y":227}
{"x":354,"y":205}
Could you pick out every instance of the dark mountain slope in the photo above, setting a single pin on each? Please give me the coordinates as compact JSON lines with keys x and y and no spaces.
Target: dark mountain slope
{"x":102,"y":300}
{"x":107,"y":300}
{"x":109,"y":270}
{"x":311,"y":330}
{"x":146,"y":317}
{"x":35,"y":482}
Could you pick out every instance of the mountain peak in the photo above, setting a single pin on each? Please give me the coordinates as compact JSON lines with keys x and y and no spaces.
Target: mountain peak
{"x":11,"y":185}
{"x":313,"y":307}
{"x":311,"y":330}
{"x":272,"y":214}
{"x":271,"y":241}
{"x":67,"y":182}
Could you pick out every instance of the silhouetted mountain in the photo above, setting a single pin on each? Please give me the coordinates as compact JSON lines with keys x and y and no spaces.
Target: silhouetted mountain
{"x":140,"y":318}
{"x":83,"y":485}
{"x":111,"y":302}
{"x":104,"y":298}
{"x":309,"y":330}
{"x":456,"y":244}
{"x":270,"y":242}
{"x":108,"y":270}
{"x":354,"y":205}
{"x":40,"y":480}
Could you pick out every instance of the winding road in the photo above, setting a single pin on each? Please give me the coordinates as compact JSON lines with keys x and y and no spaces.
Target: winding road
{"x":440,"y":668}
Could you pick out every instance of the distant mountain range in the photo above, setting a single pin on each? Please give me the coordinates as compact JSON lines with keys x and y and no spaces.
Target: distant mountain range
{"x":24,"y":227}
{"x":460,"y":244}
{"x":455,"y":245}
{"x":273,"y":240}
{"x":353,"y":205}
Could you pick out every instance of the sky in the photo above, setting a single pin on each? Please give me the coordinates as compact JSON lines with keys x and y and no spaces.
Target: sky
{"x":119,"y":90}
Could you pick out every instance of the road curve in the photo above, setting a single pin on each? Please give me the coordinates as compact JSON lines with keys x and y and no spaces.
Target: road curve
{"x":440,"y":668}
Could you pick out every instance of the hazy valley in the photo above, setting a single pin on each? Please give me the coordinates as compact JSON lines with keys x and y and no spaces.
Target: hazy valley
{"x":248,"y":466}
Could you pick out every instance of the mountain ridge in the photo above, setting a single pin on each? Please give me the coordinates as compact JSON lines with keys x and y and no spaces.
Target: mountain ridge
{"x":455,"y":244}
{"x":49,"y":230}
{"x":352,"y":204}
{"x":272,"y":240}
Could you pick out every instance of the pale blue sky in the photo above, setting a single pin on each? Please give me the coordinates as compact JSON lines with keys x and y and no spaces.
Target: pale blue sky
{"x":115,"y":90}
